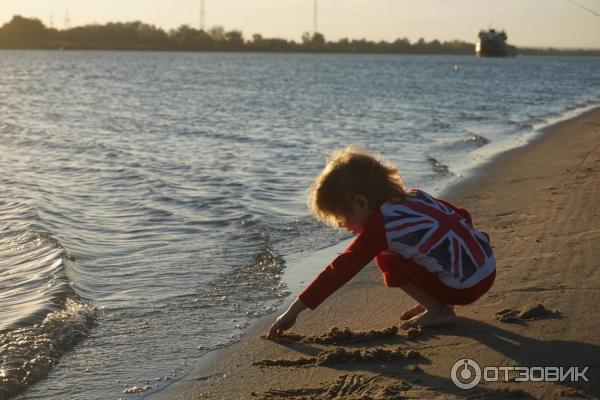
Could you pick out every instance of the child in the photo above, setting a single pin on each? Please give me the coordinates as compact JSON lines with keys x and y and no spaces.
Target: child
{"x":423,"y":245}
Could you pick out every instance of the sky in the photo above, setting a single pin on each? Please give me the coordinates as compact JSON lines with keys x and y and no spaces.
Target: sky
{"x":535,"y":23}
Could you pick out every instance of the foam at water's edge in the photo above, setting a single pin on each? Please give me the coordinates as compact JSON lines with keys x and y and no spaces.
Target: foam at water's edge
{"x":29,"y":353}
{"x":41,"y":316}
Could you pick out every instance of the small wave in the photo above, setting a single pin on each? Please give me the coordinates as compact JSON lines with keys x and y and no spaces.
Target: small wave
{"x":40,"y":314}
{"x":29,"y":353}
{"x":438,"y":125}
{"x":522,"y":126}
{"x":470,"y":141}
{"x":476,"y":140}
{"x":438,"y":166}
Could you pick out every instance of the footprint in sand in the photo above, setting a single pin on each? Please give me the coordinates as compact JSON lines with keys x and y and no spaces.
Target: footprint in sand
{"x":537,"y":311}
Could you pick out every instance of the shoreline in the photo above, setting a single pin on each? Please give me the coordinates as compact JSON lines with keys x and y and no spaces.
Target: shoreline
{"x":366,"y":288}
{"x":566,"y":53}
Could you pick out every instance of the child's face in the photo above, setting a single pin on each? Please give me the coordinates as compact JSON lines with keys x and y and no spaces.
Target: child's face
{"x":357,"y":219}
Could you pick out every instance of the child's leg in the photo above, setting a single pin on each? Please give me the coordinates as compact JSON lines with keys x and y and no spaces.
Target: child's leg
{"x":445,"y":294}
{"x":416,"y":310}
{"x":398,"y":272}
{"x":434,"y":312}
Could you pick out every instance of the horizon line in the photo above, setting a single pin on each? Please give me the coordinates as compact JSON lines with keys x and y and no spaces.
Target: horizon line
{"x":540,"y":47}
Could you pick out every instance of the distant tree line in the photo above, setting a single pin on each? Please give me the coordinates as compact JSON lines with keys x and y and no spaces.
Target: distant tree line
{"x":31,"y":33}
{"x":551,"y":51}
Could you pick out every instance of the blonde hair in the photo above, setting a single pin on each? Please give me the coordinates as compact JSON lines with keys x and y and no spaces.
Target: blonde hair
{"x":348,"y":172}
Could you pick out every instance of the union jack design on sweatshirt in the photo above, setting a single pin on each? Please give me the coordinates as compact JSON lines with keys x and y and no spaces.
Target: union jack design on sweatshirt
{"x":438,"y":238}
{"x":434,"y":233}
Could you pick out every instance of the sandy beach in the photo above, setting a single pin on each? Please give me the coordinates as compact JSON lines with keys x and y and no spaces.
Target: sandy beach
{"x":540,"y":204}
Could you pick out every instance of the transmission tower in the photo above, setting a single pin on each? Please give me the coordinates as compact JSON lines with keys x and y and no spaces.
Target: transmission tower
{"x":202,"y":15}
{"x":315,"y":16}
{"x":67,"y":19}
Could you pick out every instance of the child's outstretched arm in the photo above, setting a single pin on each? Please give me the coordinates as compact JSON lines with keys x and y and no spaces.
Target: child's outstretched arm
{"x":286,"y":320}
{"x":370,"y":242}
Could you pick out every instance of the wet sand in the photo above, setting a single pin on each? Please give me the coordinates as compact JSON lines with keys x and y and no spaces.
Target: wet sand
{"x":540,"y":203}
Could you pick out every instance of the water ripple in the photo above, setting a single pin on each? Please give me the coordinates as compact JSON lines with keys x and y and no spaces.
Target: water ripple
{"x":178,"y":183}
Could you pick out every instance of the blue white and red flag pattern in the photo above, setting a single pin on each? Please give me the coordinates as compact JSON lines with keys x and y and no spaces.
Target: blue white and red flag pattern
{"x":437,"y":236}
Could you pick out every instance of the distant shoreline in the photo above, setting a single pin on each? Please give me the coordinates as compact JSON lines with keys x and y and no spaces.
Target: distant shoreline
{"x":134,"y":50}
{"x":31,"y":34}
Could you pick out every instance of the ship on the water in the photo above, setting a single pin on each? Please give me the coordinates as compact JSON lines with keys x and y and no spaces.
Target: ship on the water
{"x":493,"y":44}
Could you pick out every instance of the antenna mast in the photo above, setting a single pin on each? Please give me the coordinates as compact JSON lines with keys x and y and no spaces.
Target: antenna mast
{"x":315,"y":10}
{"x":67,"y":19}
{"x":202,"y":16}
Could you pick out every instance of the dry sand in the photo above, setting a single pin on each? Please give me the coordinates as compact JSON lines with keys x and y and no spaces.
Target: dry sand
{"x":541,"y":206}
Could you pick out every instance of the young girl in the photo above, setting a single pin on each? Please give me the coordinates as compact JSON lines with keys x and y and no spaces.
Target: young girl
{"x":424,"y":245}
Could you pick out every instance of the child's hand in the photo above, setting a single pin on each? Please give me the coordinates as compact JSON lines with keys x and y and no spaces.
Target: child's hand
{"x":284,"y":321}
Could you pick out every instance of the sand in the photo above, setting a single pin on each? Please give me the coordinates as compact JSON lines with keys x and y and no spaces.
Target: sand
{"x":540,"y":203}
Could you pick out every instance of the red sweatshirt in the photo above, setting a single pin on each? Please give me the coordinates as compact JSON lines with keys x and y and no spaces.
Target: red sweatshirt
{"x":366,"y":246}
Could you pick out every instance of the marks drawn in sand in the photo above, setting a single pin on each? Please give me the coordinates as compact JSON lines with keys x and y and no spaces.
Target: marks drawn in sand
{"x":346,"y":336}
{"x":341,"y":355}
{"x":501,"y":393}
{"x":347,"y":386}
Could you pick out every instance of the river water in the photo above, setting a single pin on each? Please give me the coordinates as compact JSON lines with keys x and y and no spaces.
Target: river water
{"x":149,"y":201}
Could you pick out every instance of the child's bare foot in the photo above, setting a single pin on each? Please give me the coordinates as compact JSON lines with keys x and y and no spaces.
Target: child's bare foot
{"x":442,"y":316}
{"x":416,"y":310}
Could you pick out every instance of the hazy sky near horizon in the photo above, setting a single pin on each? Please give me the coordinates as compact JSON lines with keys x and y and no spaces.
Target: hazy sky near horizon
{"x":557,"y":23}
